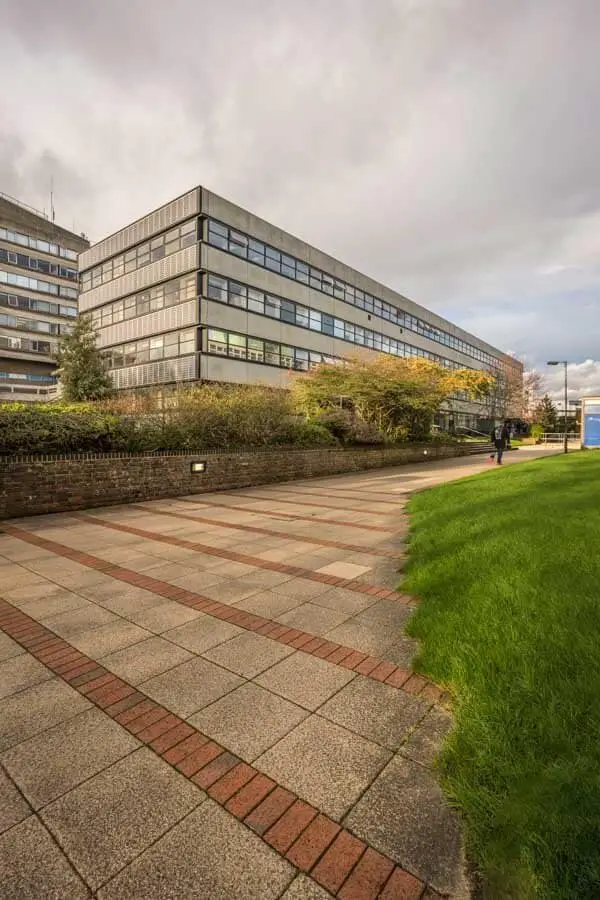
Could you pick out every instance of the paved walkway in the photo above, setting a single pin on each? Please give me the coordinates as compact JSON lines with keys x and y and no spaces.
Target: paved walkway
{"x":211,"y":697}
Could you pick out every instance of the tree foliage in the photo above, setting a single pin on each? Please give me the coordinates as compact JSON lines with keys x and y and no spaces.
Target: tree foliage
{"x":397,"y":396}
{"x":81,"y":371}
{"x":546,"y":414}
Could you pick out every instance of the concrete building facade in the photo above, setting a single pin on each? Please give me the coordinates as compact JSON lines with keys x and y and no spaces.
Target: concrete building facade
{"x":38,"y":298}
{"x":202,"y":290}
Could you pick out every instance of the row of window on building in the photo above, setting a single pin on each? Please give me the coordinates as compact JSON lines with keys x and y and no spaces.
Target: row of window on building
{"x":26,"y":240}
{"x":37,"y":284}
{"x":28,"y":345}
{"x":24,"y":324}
{"x":153,"y":299}
{"x":261,"y":254}
{"x":244,"y":297}
{"x":38,"y":265}
{"x":151,"y":251}
{"x":31,"y":304}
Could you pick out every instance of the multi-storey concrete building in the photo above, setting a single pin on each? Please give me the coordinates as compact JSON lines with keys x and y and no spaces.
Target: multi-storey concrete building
{"x":201,"y":289}
{"x":38,"y":298}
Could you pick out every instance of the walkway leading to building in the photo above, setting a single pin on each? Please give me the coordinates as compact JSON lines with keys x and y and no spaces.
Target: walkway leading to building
{"x":212,"y":697}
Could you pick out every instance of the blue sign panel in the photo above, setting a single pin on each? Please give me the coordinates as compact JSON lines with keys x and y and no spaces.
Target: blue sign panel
{"x":591,"y":430}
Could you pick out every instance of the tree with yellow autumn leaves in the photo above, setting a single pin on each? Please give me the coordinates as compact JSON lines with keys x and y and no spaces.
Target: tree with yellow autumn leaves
{"x":398,"y":396}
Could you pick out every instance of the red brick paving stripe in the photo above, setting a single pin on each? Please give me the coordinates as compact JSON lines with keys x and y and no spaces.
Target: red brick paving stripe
{"x":172,"y":737}
{"x":403,"y":886}
{"x":219,"y":766}
{"x":275,"y":500}
{"x":200,"y":758}
{"x":308,"y":643}
{"x":339,"y":860}
{"x":313,"y":842}
{"x":270,"y":810}
{"x":85,"y":678}
{"x":283,"y":834}
{"x":281,"y":515}
{"x":231,"y":783}
{"x":288,"y":824}
{"x":256,"y":529}
{"x":368,"y":878}
{"x":337,"y":493}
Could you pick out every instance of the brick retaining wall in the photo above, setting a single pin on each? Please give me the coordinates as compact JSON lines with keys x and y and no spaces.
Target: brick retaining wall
{"x":33,"y":485}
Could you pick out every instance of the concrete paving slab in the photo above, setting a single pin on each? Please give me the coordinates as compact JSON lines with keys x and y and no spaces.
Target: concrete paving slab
{"x":122,"y":599}
{"x":207,"y":856}
{"x":305,"y":680}
{"x":106,"y":822}
{"x":343,"y":570}
{"x":21,"y":672}
{"x":82,"y":619}
{"x":164,"y":617}
{"x":99,"y":642}
{"x":13,"y":807}
{"x":33,"y":867}
{"x":324,"y":764}
{"x":301,"y":589}
{"x":405,"y":816}
{"x":169,"y":571}
{"x":202,"y":633}
{"x":144,"y":660}
{"x":248,"y":654}
{"x":376,"y":711}
{"x":269,"y":604}
{"x":52,"y":763}
{"x":199,"y":580}
{"x":36,"y":709}
{"x":426,"y":741}
{"x":304,"y":888}
{"x":249,"y":720}
{"x":315,"y":619}
{"x":344,"y":601}
{"x":229,"y":591}
{"x":9,"y":648}
{"x":191,"y":686}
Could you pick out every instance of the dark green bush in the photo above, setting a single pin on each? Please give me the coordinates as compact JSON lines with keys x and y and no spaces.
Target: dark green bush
{"x":344,"y":425}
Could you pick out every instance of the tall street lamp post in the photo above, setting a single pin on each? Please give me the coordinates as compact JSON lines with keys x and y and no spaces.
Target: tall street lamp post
{"x":563,"y":362}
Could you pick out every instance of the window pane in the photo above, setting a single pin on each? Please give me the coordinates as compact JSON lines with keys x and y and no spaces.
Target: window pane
{"x":256,"y":252}
{"x":217,"y":288}
{"x":218,"y":235}
{"x":256,"y":301}
{"x":272,"y":306}
{"x":315,"y":320}
{"x":302,"y":272}
{"x":288,"y":312}
{"x":272,"y":353}
{"x":238,"y":244}
{"x":237,"y":294}
{"x":302,"y":318}
{"x":273,"y":259}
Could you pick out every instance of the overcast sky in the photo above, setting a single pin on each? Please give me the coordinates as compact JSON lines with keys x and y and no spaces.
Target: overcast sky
{"x":449,"y":148}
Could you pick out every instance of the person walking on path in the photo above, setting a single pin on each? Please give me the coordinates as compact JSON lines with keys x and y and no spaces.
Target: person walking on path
{"x":499,"y":438}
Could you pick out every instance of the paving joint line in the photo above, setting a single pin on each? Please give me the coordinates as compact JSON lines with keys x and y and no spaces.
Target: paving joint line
{"x":304,"y":503}
{"x":290,"y":516}
{"x":306,"y":837}
{"x":256,"y":529}
{"x":338,"y":654}
{"x":351,"y":584}
{"x":337,"y":492}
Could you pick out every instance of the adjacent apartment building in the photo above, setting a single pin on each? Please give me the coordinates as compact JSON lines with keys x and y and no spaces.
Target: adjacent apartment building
{"x":202,"y":290}
{"x":38,"y":298}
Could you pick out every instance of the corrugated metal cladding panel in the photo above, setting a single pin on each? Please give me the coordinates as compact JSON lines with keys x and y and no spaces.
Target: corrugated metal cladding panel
{"x":165,"y":217}
{"x":164,"y":371}
{"x":153,"y":323}
{"x":176,"y":264}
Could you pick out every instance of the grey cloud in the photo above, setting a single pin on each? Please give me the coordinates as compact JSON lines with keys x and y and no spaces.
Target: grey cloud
{"x":448,"y":149}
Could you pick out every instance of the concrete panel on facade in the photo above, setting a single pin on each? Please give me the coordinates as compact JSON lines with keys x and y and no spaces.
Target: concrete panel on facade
{"x":239,"y":371}
{"x":168,"y":319}
{"x":162,"y":218}
{"x":185,"y":260}
{"x":164,"y":371}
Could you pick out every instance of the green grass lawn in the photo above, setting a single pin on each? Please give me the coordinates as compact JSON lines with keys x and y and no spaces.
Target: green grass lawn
{"x":508,"y":568}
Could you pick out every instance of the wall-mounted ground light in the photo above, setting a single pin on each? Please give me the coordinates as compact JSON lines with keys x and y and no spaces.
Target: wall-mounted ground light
{"x":198,"y":468}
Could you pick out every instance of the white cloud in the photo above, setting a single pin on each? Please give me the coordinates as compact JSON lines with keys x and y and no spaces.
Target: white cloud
{"x":449,"y":149}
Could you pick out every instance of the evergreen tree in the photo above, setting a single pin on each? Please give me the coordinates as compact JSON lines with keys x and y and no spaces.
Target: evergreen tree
{"x":546,"y":415}
{"x":81,"y":369}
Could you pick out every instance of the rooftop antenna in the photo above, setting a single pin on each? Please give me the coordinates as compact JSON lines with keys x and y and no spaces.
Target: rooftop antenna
{"x":52,"y":210}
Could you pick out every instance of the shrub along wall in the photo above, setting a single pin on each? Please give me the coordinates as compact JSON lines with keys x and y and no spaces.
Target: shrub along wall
{"x":32,"y":485}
